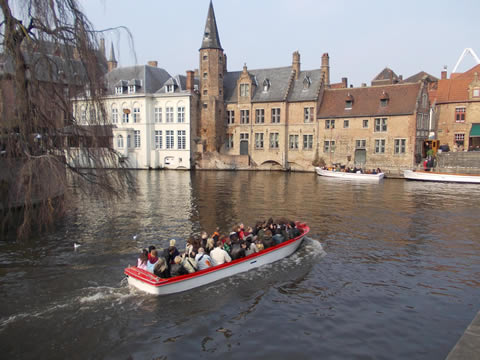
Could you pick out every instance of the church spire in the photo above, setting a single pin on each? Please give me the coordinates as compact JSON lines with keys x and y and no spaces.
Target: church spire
{"x":211,"y":40}
{"x":112,"y":62}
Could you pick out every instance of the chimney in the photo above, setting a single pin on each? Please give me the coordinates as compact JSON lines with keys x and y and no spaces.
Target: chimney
{"x":326,"y":68}
{"x":190,"y":82}
{"x":344,"y":82}
{"x":444,"y":73}
{"x":296,"y":64}
{"x":102,"y":47}
{"x":364,"y":84}
{"x":153,"y":63}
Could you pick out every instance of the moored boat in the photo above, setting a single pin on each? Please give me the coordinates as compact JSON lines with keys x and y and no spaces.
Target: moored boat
{"x":441,"y":177}
{"x":152,"y":284}
{"x":349,"y":175}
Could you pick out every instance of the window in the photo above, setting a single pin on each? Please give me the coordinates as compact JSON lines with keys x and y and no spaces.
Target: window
{"x":424,"y":100}
{"x":383,"y":102}
{"x":400,"y":145}
{"x":169,"y":114}
{"x":158,"y":139}
{"x":181,"y":114}
{"x":273,"y":140}
{"x":230,"y":116}
{"x":204,"y":105}
{"x":307,"y":142}
{"x":229,"y":143}
{"x":125,"y":117}
{"x":114,"y":116}
{"x":120,"y":141}
{"x":158,"y":115}
{"x":293,"y":142}
{"x":258,"y":140}
{"x":308,"y":114}
{"x":83,"y":115}
{"x":276,"y":116}
{"x":365,"y":124}
{"x":131,"y":89}
{"x":205,"y":56}
{"x":348,"y":104}
{"x":380,"y":146}
{"x":360,"y":144}
{"x":181,"y":139}
{"x":205,"y":75}
{"x":136,"y":136}
{"x":129,"y":141}
{"x":169,"y":139}
{"x":244,"y":136}
{"x":460,"y":114}
{"x":259,"y":116}
{"x":346,"y":124}
{"x":460,"y":139}
{"x":329,"y":146}
{"x":205,"y":92}
{"x":380,"y":124}
{"x":244,"y":90}
{"x":170,"y":88}
{"x":93,"y":116}
{"x":476,"y":92}
{"x":136,"y":115}
{"x":118,"y":90}
{"x":244,"y":116}
{"x":266,"y":85}
{"x":329,"y":124}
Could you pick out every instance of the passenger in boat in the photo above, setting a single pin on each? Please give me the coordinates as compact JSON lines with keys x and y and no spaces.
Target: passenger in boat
{"x":250,"y":247}
{"x":171,"y":253}
{"x":161,"y":269}
{"x":278,"y":237}
{"x":189,"y":263}
{"x":210,"y":246}
{"x":379,"y":171}
{"x":177,"y":269}
{"x":227,"y":244}
{"x":189,"y":246}
{"x":267,"y":240}
{"x":237,"y":250}
{"x":150,"y":248}
{"x":241,"y":231}
{"x":152,"y":260}
{"x":203,"y":239}
{"x":216,"y":234}
{"x":142,"y":260}
{"x":203,"y":260}
{"x":219,"y":255}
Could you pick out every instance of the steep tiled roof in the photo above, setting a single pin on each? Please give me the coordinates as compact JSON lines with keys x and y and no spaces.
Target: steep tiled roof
{"x":152,"y":78}
{"x":419,"y":76}
{"x":300,"y":92}
{"x":455,"y":89}
{"x":366,"y":101}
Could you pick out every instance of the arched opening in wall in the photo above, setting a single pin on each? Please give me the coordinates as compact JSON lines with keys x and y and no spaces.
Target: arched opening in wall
{"x":271,"y":165}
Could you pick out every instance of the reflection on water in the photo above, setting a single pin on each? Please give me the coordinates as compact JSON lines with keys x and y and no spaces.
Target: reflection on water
{"x":389,"y":270}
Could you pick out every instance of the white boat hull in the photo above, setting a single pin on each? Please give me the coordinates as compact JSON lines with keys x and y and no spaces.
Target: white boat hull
{"x":349,"y":176}
{"x":442,"y":177}
{"x":153,"y":285}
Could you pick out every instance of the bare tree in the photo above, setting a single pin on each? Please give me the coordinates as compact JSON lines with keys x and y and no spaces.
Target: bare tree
{"x":49,"y":58}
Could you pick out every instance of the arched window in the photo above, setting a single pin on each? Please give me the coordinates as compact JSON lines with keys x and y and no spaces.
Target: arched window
{"x":120,"y":141}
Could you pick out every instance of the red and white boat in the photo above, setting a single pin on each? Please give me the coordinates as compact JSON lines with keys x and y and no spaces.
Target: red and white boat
{"x":152,"y":284}
{"x":443,"y":177}
{"x":349,"y":176}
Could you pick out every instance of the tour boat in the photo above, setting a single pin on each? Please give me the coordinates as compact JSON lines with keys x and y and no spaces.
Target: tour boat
{"x":349,"y":176}
{"x":152,"y":284}
{"x":444,"y":177}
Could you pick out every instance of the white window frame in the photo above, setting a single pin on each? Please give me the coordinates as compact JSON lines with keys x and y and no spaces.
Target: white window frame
{"x":330,"y":124}
{"x":181,"y":139}
{"x":158,"y":139}
{"x":259,"y":143}
{"x":381,"y":125}
{"x":380,"y":145}
{"x":137,"y":139}
{"x":114,"y":116}
{"x":120,"y":141}
{"x":169,"y":139}
{"x":308,"y":114}
{"x":158,"y":114}
{"x":365,"y":124}
{"x":259,"y":116}
{"x":244,"y":116}
{"x":125,"y":118}
{"x":307,"y":142}
{"x":169,"y":114}
{"x":244,"y":90}
{"x":274,"y":140}
{"x":360,"y":144}
{"x":276,"y":115}
{"x":293,"y":141}
{"x":229,"y":144}
{"x":136,"y":115}
{"x":346,"y":124}
{"x":400,"y":146}
{"x":329,"y":146}
{"x":118,"y":90}
{"x":181,"y":114}
{"x":230,"y":116}
{"x":131,"y":89}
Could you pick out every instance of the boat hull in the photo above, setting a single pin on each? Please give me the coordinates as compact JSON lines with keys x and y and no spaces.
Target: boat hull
{"x":349,"y":176}
{"x":441,"y":177}
{"x":151,"y":284}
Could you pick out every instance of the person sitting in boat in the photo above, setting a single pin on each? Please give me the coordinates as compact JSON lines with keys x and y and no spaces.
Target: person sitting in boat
{"x":293,"y":231}
{"x":152,"y":261}
{"x":219,"y":255}
{"x":227,"y":243}
{"x":161,"y":269}
{"x":210,"y":246}
{"x":379,"y":171}
{"x":203,"y":240}
{"x":171,"y":253}
{"x":177,"y":269}
{"x":250,"y":247}
{"x":267,"y":240}
{"x":150,"y":248}
{"x":241,"y":231}
{"x":142,"y":260}
{"x":203,"y":260}
{"x":278,"y":237}
{"x":237,"y":250}
{"x":189,"y":263}
{"x":216,"y":234}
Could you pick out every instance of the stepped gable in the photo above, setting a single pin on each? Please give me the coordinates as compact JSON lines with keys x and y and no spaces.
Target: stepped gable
{"x":151,"y":78}
{"x":366,"y":101}
{"x":456,"y":89}
{"x":278,"y":78}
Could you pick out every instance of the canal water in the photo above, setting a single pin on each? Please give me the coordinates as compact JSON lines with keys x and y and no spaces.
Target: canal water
{"x":389,"y":271}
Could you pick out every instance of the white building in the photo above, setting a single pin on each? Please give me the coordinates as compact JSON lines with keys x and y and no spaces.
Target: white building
{"x":152,"y":116}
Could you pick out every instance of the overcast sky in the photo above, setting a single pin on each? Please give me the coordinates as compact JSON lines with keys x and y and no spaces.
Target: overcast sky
{"x":361,"y":36}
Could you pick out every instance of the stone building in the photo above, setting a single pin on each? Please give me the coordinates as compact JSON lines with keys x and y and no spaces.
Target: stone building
{"x":457,"y":110}
{"x":378,"y":126}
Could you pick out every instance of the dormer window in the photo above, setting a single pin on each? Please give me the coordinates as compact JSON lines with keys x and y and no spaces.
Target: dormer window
{"x":306,"y":82}
{"x":170,"y":88}
{"x":244,"y":90}
{"x":348,"y":102}
{"x":118,"y":90}
{"x":131,"y":89}
{"x":266,"y":85}
{"x":384,"y":99}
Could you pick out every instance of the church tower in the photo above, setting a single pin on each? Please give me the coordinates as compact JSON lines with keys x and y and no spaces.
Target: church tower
{"x":211,"y":73}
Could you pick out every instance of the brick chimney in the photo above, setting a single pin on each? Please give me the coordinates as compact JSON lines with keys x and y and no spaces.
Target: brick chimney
{"x":326,"y":68}
{"x":444,"y":73}
{"x":153,"y":63}
{"x":102,"y":47}
{"x":190,"y":80}
{"x":296,"y":64}
{"x":344,"y":82}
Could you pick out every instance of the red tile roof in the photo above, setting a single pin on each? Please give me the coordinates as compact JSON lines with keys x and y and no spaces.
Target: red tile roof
{"x":366,"y":101}
{"x":455,"y":89}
